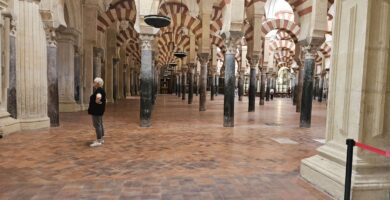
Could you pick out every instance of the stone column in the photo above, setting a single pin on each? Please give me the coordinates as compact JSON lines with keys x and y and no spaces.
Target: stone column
{"x":184,"y":83}
{"x":240,"y":84}
{"x":212,"y":85}
{"x":52,"y":79}
{"x":300,"y":89}
{"x":179,"y":86}
{"x":262,"y":85}
{"x":358,"y":104}
{"x":191,"y":83}
{"x":197,"y":83}
{"x":268,"y":86}
{"x":128,"y":81}
{"x":216,"y":84}
{"x":8,"y":104}
{"x":307,"y":92}
{"x":320,"y":88}
{"x":146,"y":80}
{"x":97,"y":62}
{"x":110,"y":71}
{"x":231,"y":42}
{"x":132,"y":82}
{"x":31,"y":67}
{"x":65,"y":61}
{"x":204,"y":59}
{"x":295,"y":93}
{"x":12,"y":98}
{"x":78,"y":95}
{"x":252,"y":84}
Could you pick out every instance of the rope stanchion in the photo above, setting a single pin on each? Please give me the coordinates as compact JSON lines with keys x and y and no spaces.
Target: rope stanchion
{"x":348,"y":171}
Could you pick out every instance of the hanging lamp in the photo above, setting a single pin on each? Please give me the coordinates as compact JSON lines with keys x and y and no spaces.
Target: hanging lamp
{"x":157,"y":21}
{"x":180,"y":54}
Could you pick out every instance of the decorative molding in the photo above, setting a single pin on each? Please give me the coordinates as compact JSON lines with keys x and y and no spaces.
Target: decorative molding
{"x":204,"y":58}
{"x":232,"y":41}
{"x":51,"y":37}
{"x":13,"y":24}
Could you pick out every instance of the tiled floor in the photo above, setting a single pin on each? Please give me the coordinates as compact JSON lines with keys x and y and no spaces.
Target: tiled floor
{"x":185,"y":155}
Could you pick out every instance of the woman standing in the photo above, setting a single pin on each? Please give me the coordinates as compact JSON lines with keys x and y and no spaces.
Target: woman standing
{"x":97,"y":106}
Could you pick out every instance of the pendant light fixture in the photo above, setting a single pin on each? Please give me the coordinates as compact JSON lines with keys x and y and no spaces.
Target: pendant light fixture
{"x":180,"y":54}
{"x":157,"y":21}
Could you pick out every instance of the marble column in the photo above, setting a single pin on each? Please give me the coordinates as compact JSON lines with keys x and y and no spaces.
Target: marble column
{"x":8,"y":103}
{"x":97,"y":62}
{"x":110,"y":67}
{"x":52,"y":79}
{"x":230,"y":67}
{"x":267,"y":92}
{"x":191,"y":83}
{"x":31,"y":67}
{"x":295,"y":90}
{"x":204,"y":59}
{"x":217,"y":84}
{"x":241,"y":79}
{"x":307,"y":90}
{"x":77,"y":78}
{"x":300,"y":89}
{"x":146,"y":80}
{"x":212,"y":86}
{"x":320,"y":88}
{"x":132,"y":82}
{"x":252,"y":84}
{"x":262,"y":86}
{"x":179,"y":86}
{"x":128,"y":81}
{"x":197,"y":83}
{"x":358,"y":103}
{"x":184,"y":83}
{"x":66,"y":69}
{"x":12,"y":98}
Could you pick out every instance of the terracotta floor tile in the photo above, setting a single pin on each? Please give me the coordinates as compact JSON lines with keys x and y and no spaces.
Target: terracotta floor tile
{"x":186,"y":154}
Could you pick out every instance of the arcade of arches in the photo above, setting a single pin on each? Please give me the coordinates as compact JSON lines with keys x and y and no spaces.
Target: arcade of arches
{"x":259,"y":108}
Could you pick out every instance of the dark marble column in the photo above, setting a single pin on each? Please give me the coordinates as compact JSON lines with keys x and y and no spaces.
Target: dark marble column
{"x":321,"y":88}
{"x":77,"y":77}
{"x":204,"y":59}
{"x":11,"y":98}
{"x":191,"y":83}
{"x":179,"y":86}
{"x":230,"y":79}
{"x":299,"y":89}
{"x":97,"y":62}
{"x":184,"y":84}
{"x":131,"y":82}
{"x":252,"y":84}
{"x":241,"y":79}
{"x":262,"y":86}
{"x":196,"y":83}
{"x":52,"y":82}
{"x":267,"y":92}
{"x":307,"y":92}
{"x":216,"y":84}
{"x":146,"y":80}
{"x":212,"y":86}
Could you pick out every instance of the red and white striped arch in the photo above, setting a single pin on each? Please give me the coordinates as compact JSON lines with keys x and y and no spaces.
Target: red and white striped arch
{"x":172,"y":7}
{"x":187,"y":21}
{"x":326,"y":50}
{"x":248,"y":32}
{"x":127,"y":35}
{"x":123,"y":10}
{"x":289,"y":27}
{"x":282,"y":44}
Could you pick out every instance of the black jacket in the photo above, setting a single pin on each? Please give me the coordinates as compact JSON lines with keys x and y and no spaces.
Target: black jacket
{"x":94,"y":108}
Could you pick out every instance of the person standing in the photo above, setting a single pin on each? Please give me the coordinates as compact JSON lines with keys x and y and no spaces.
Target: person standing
{"x":97,"y":106}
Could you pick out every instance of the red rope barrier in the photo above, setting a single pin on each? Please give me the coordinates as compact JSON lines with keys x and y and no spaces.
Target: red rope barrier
{"x":373,"y":149}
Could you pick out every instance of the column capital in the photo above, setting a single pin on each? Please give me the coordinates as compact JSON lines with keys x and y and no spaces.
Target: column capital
{"x":204,"y":58}
{"x":254,"y":60}
{"x":146,"y":41}
{"x":232,"y":41}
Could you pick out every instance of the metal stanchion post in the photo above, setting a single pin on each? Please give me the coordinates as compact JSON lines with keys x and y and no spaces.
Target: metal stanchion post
{"x":348,"y":171}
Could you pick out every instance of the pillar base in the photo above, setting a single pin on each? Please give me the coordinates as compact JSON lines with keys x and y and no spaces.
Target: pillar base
{"x":69,"y":107}
{"x":8,"y":124}
{"x":146,"y":123}
{"x":327,"y":172}
{"x":33,"y":124}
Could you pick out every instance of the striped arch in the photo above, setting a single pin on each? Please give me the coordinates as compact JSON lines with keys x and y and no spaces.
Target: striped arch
{"x":217,"y":41}
{"x":126,"y":35}
{"x":169,"y":8}
{"x":217,"y":13}
{"x":318,"y":59}
{"x":282,"y":35}
{"x":282,"y":44}
{"x":123,"y":10}
{"x":187,"y":21}
{"x":289,"y":27}
{"x":216,"y":26}
{"x":326,"y":50}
